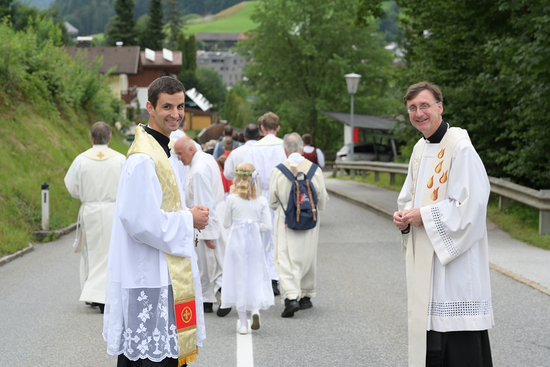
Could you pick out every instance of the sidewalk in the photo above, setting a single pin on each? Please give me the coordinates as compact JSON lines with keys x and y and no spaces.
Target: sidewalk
{"x":518,"y":260}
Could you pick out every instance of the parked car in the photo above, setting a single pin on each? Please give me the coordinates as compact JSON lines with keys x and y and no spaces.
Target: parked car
{"x":365,"y":152}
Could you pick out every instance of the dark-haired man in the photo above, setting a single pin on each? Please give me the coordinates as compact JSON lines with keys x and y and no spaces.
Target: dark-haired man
{"x":154,"y":299}
{"x":93,"y":178}
{"x":442,"y":210}
{"x":227,"y":132}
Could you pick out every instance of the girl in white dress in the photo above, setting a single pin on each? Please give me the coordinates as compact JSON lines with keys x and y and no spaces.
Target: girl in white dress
{"x":246,"y":282}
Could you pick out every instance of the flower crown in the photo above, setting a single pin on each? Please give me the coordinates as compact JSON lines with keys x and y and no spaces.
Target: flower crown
{"x":243,"y":173}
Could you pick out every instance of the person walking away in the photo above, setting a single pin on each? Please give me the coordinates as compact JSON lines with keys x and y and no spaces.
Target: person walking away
{"x":227,"y":133}
{"x":251,"y":136}
{"x":153,"y":275}
{"x":295,"y":250}
{"x":314,"y":155}
{"x":265,"y":154}
{"x":204,"y":187}
{"x":442,"y":211}
{"x":246,"y":281}
{"x":93,"y":178}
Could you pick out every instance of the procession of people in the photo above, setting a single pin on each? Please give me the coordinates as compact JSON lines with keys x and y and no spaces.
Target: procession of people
{"x":171,"y":230}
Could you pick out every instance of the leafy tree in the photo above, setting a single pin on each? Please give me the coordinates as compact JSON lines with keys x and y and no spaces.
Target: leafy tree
{"x":298,"y":57}
{"x":6,"y":8}
{"x":490,"y":62}
{"x":175,"y":23}
{"x":153,"y":36}
{"x":24,"y":16}
{"x":122,"y":26}
{"x":231,"y":111}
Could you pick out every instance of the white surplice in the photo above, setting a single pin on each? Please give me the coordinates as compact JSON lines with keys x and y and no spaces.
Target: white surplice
{"x":265,"y":155}
{"x":246,"y":281}
{"x":95,"y":182}
{"x":204,"y":187}
{"x":139,"y":318}
{"x":460,"y":294}
{"x":235,"y":158}
{"x":295,"y":251}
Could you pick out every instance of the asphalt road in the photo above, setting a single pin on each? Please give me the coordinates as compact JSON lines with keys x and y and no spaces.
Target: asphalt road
{"x":358,"y":317}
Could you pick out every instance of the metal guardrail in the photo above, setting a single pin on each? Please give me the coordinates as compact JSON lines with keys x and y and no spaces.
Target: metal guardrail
{"x":538,"y":199}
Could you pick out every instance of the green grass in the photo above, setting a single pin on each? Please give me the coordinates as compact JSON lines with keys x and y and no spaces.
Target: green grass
{"x":519,"y":220}
{"x":237,"y":22}
{"x":38,"y":145}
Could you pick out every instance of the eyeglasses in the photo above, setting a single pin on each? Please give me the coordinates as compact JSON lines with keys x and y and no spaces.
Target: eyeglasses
{"x":423,"y":107}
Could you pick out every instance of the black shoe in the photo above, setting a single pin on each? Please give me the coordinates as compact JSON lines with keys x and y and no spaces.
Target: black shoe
{"x":101,"y":307}
{"x":275,"y":288}
{"x":223,"y":311}
{"x":291,"y":306}
{"x":305,"y":303}
{"x":207,"y":307}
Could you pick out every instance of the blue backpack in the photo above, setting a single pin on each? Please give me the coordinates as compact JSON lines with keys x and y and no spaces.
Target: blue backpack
{"x":301,"y":210}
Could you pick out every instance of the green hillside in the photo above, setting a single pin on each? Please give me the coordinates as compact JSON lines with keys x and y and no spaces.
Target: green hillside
{"x":235,"y":19}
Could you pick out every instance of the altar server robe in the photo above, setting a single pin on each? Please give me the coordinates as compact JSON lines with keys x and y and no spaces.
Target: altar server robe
{"x":235,"y":158}
{"x":204,"y":187}
{"x":139,"y":280}
{"x":295,"y":251}
{"x":265,"y":155}
{"x":93,"y":178}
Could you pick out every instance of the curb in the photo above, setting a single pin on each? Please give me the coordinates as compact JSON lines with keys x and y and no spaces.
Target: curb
{"x":6,"y":259}
{"x":389,"y":215}
{"x":40,"y":235}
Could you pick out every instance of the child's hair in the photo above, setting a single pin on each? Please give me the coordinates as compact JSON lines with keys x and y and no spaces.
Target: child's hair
{"x":221,"y":160}
{"x":241,"y":183}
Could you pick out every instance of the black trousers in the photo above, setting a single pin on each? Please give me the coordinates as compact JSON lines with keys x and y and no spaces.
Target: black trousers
{"x":166,"y":362}
{"x":458,"y":349}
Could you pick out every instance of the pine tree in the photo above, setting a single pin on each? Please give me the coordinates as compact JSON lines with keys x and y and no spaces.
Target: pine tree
{"x":191,"y":53}
{"x":122,"y":26}
{"x":173,"y":19}
{"x":180,"y":46}
{"x":153,"y":37}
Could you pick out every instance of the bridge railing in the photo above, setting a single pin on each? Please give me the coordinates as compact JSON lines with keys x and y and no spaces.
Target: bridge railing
{"x":506,"y":190}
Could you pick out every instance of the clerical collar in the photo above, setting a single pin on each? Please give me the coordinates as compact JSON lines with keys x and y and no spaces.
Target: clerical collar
{"x":160,"y":138}
{"x":439,"y":133}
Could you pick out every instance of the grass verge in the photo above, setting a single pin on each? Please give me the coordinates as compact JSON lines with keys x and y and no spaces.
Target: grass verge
{"x":519,"y":220}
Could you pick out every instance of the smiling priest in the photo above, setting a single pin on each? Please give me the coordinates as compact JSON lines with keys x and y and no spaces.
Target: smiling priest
{"x":153,"y":312}
{"x":442,"y":210}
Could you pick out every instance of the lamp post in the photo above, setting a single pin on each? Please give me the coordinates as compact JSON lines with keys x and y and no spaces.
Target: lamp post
{"x":352,"y":81}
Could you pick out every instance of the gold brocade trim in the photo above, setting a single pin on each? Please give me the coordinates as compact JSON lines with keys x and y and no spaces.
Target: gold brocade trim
{"x":179,"y":267}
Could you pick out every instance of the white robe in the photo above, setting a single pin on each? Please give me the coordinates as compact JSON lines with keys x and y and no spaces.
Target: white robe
{"x":460,"y":295}
{"x":296,"y":251}
{"x":204,"y":187}
{"x":139,"y":309}
{"x":265,"y":155}
{"x":246,"y":281}
{"x":95,"y":183}
{"x":235,"y":158}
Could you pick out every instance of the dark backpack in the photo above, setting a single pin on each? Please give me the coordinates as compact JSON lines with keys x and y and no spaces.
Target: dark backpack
{"x":301,"y":211}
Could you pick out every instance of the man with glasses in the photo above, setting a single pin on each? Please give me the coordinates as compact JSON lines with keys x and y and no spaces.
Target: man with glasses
{"x":442,"y":210}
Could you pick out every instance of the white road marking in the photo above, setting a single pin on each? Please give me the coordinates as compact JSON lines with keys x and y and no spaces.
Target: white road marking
{"x":245,"y":356}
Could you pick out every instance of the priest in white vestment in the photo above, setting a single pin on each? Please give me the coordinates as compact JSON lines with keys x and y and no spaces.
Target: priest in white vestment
{"x":251,"y":136}
{"x":442,"y":215}
{"x":295,"y":250}
{"x":265,"y":155}
{"x":154,"y":299}
{"x":93,"y":178}
{"x":204,"y":187}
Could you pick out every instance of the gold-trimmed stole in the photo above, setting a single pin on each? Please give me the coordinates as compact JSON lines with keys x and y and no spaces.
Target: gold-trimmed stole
{"x":179,"y":267}
{"x":420,"y":253}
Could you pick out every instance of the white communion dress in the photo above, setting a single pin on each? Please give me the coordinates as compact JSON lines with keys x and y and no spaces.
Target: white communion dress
{"x":246,"y":283}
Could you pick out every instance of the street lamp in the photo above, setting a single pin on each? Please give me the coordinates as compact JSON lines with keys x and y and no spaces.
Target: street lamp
{"x":352,"y":80}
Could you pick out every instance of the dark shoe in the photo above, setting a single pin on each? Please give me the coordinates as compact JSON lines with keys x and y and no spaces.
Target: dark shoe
{"x":223,"y":311}
{"x":101,"y":307}
{"x":305,"y":303}
{"x":275,"y":288}
{"x":207,"y":307}
{"x":291,"y":306}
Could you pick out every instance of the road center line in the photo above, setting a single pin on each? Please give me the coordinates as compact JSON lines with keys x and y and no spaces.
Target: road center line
{"x":245,"y":356}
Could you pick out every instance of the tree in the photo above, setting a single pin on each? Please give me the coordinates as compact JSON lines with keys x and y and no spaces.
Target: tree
{"x":173,"y":19}
{"x":212,"y":87}
{"x":490,"y":62}
{"x":5,"y":8}
{"x":153,"y":36}
{"x":298,"y":56}
{"x":122,"y":26}
{"x":191,"y":53}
